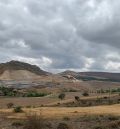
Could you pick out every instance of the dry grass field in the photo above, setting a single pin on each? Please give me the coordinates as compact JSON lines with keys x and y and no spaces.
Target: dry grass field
{"x":60,"y":112}
{"x":73,"y":117}
{"x":97,"y":117}
{"x":69,"y":111}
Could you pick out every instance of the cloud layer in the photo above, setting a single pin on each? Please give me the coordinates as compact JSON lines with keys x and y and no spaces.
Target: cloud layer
{"x":81,"y":35}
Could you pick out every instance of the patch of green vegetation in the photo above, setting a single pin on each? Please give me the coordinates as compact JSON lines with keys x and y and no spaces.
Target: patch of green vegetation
{"x":115,"y":90}
{"x":61,"y":96}
{"x":18,"y":109}
{"x":35,"y":94}
{"x":8,"y":91}
{"x":12,"y":92}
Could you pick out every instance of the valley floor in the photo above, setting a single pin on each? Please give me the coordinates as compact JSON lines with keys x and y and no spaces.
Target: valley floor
{"x":76,"y":118}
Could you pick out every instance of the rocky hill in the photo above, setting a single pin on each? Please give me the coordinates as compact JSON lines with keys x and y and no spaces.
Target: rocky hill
{"x":20,"y":70}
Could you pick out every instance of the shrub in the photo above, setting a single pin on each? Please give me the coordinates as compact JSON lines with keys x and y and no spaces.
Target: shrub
{"x":62,"y":126}
{"x":66,"y":118}
{"x":75,"y":111}
{"x":105,"y":97}
{"x":85,"y":94}
{"x":72,"y":90}
{"x":77,"y":98}
{"x":8,"y":91}
{"x":10,"y":105}
{"x":18,"y":109}
{"x":61,"y":96}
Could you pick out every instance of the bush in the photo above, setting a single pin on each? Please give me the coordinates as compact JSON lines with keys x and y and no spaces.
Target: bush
{"x":113,"y":118}
{"x":58,"y":103}
{"x":18,"y":109}
{"x":8,"y":91}
{"x":35,"y":121}
{"x":61,"y":96}
{"x":66,"y":118}
{"x":62,"y":126}
{"x":105,"y":97}
{"x":77,"y":98}
{"x":72,"y":90}
{"x":85,"y":94}
{"x":10,"y":105}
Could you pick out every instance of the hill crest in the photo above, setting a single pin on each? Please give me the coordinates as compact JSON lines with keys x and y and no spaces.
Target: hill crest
{"x":17,"y":65}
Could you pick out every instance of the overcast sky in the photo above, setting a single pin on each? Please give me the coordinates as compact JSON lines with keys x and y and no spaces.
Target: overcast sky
{"x":82,"y":35}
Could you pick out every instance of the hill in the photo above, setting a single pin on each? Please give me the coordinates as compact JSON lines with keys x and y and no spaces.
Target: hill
{"x":20,"y":70}
{"x":87,"y":76}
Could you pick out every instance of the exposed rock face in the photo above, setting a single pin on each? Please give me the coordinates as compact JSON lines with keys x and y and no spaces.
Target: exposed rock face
{"x":20,"y":70}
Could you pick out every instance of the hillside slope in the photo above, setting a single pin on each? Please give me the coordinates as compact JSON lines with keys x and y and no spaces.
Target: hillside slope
{"x":19,"y":70}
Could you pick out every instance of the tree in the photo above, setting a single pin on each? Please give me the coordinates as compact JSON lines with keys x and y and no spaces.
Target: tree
{"x":77,"y":98}
{"x":61,"y":96}
{"x":10,"y":105}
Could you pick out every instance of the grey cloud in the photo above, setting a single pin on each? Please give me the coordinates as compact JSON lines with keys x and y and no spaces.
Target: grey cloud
{"x":73,"y":34}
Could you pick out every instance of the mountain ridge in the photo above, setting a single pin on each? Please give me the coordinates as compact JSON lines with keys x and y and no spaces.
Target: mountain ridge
{"x":92,"y":75}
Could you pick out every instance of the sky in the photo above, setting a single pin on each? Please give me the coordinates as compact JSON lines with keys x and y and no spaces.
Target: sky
{"x":58,"y":35}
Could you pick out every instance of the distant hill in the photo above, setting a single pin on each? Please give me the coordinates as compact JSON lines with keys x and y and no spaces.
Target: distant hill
{"x":16,"y":70}
{"x":87,"y":76}
{"x":69,"y":72}
{"x":102,"y":75}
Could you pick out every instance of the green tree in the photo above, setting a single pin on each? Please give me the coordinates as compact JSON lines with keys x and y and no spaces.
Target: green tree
{"x":61,"y":96}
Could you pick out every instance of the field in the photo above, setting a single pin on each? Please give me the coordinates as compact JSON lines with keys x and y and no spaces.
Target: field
{"x":50,"y":100}
{"x":60,"y":112}
{"x":100,"y":109}
{"x":77,"y":117}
